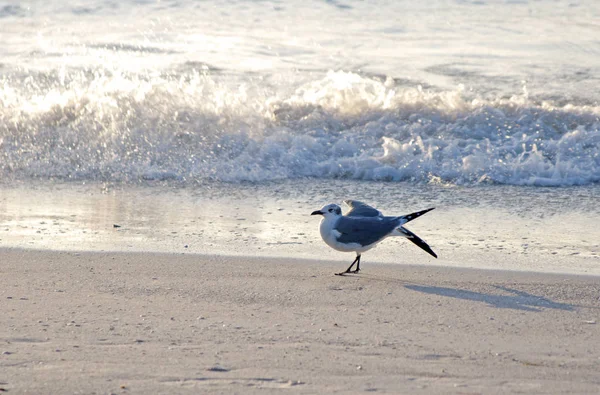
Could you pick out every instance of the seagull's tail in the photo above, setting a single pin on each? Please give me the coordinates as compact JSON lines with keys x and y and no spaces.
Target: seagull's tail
{"x":409,"y":217}
{"x":416,"y":239}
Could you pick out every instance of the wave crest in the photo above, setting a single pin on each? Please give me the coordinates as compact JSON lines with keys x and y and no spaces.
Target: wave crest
{"x":196,"y":126}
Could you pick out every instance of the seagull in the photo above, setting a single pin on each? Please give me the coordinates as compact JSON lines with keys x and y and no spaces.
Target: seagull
{"x":362,"y":228}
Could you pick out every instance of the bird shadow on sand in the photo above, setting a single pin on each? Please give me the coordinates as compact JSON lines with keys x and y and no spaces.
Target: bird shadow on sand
{"x":517,"y":300}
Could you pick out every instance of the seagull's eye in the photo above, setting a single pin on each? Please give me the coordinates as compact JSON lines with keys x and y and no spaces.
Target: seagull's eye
{"x":331,"y":210}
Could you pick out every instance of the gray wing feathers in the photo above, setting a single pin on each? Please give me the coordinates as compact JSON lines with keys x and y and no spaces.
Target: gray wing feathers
{"x":365,"y":230}
{"x":366,"y":225}
{"x":360,"y":209}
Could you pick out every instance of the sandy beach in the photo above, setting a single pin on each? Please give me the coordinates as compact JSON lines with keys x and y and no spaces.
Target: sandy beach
{"x":171,"y":323}
{"x":160,"y":161}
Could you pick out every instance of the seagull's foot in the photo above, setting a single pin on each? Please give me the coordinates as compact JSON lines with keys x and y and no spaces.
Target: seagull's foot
{"x":348,"y":272}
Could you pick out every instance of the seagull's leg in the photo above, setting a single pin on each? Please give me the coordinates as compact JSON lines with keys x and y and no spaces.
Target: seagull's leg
{"x":357,"y":260}
{"x":357,"y":265}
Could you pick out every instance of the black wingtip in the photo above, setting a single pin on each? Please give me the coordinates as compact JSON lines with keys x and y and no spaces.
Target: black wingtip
{"x":409,"y":217}
{"x":418,"y":241}
{"x":427,"y":249}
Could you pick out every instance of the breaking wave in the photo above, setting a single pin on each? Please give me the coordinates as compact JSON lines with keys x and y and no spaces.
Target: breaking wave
{"x":197,"y":125}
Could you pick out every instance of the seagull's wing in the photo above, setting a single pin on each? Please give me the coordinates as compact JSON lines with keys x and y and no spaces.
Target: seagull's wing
{"x":409,"y":217}
{"x":360,"y":209}
{"x":417,"y":240}
{"x":364,"y":230}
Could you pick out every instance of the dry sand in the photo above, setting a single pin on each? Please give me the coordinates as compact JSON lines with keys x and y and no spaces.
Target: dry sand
{"x":165,"y":323}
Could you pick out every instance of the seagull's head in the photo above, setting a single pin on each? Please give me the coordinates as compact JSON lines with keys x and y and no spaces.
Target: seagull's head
{"x":329,"y":211}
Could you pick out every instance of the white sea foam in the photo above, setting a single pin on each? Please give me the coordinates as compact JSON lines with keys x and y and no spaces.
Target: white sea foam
{"x":194,"y":127}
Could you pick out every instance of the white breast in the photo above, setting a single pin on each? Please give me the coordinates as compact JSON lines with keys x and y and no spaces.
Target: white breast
{"x":330,"y":235}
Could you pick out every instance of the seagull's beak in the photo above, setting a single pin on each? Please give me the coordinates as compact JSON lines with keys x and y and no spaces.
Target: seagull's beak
{"x":318,"y":212}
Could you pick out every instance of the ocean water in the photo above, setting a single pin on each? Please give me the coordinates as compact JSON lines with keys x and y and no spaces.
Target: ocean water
{"x":217,"y":127}
{"x":444,"y":92}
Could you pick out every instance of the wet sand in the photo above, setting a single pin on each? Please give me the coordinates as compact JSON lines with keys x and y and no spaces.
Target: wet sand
{"x":547,"y":230}
{"x":103,"y":322}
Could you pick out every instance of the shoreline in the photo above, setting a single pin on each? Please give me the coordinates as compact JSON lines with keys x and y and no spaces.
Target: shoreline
{"x":535,"y":230}
{"x":180,"y":323}
{"x":333,"y":263}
